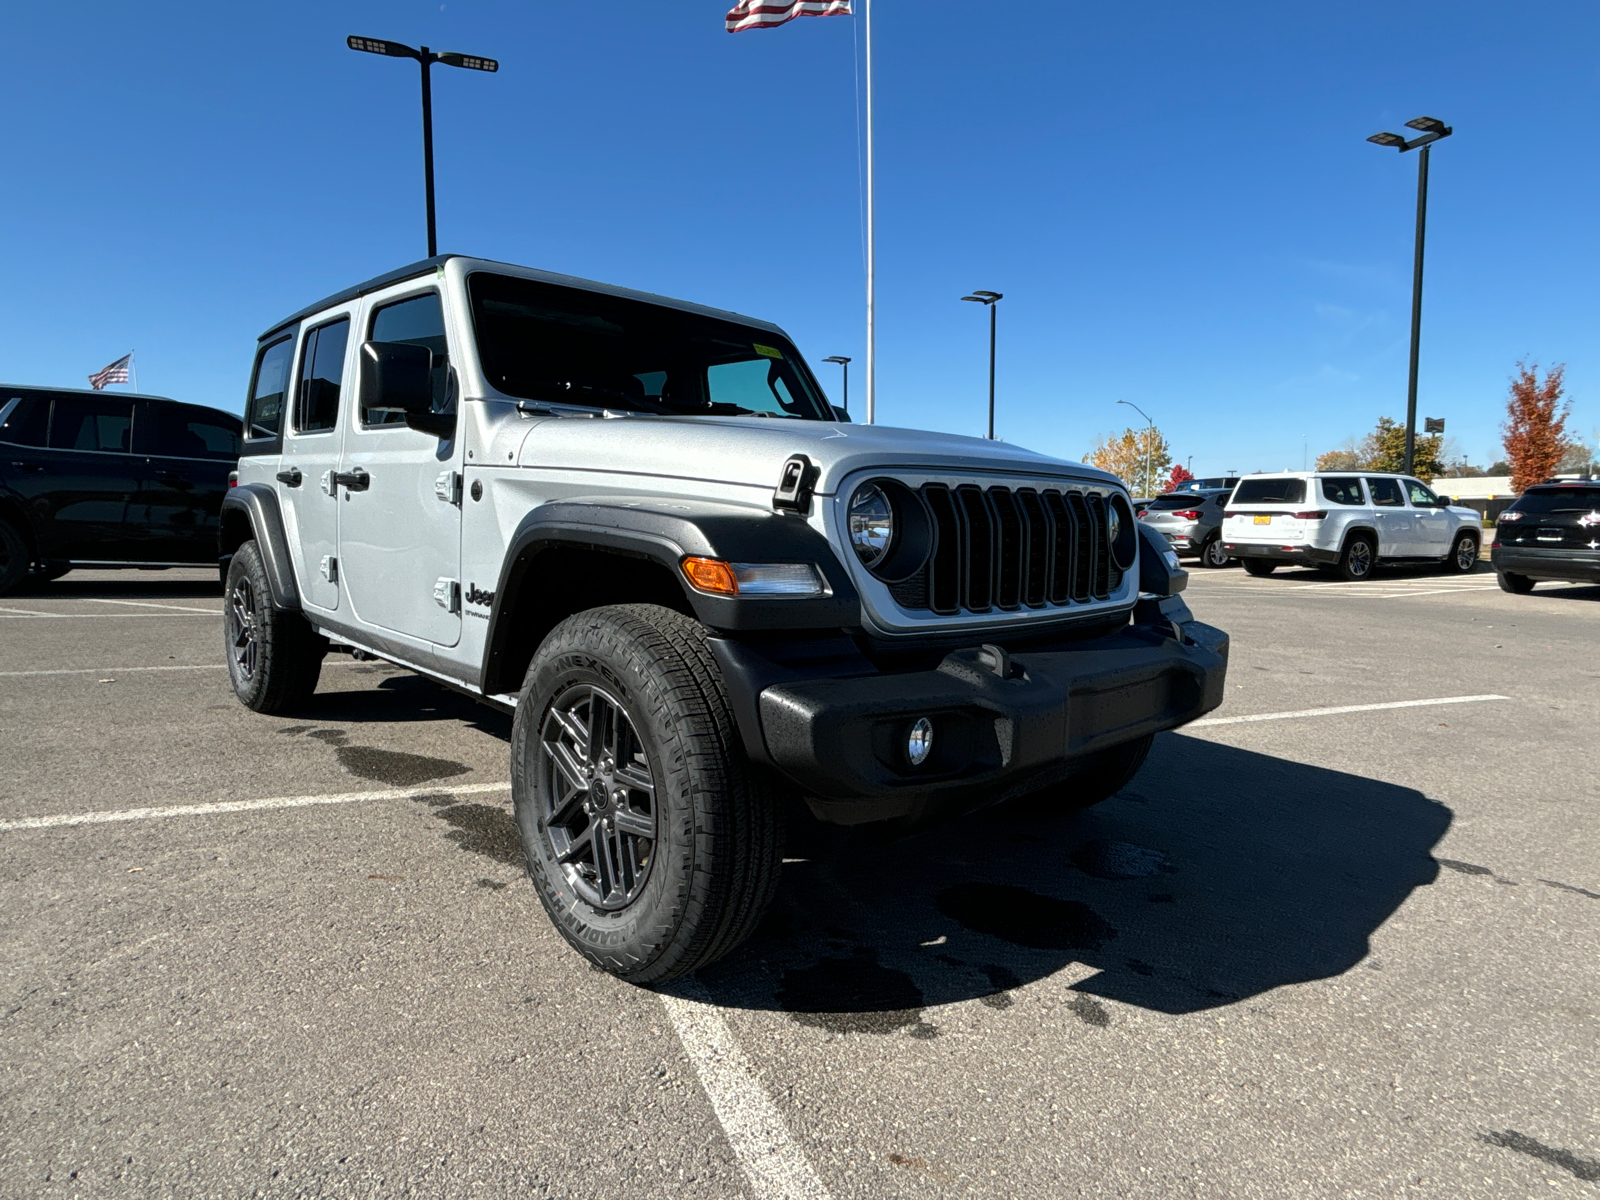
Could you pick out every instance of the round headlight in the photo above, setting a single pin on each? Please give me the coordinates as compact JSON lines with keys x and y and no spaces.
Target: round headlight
{"x":871,"y":524}
{"x":1122,"y":536}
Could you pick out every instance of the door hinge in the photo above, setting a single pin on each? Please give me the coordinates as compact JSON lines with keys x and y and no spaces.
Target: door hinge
{"x":330,"y":568}
{"x":447,"y":594}
{"x":448,"y":487}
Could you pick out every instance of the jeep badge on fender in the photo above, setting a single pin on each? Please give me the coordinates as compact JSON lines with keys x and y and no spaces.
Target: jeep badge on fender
{"x":711,"y":592}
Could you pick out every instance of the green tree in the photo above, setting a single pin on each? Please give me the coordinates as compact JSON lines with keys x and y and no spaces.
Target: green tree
{"x":1138,"y":457}
{"x":1384,"y":449}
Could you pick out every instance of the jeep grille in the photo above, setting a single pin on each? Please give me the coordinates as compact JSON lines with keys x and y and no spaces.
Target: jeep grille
{"x":1006,"y":549}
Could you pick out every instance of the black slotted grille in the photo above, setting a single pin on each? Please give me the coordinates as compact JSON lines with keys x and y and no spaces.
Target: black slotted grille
{"x":1010,"y":549}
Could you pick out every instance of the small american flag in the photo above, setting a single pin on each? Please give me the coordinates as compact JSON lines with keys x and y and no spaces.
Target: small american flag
{"x":762,"y":14}
{"x":116,"y":372}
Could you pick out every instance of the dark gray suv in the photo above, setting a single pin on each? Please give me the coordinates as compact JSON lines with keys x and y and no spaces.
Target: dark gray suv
{"x":1191,"y":522}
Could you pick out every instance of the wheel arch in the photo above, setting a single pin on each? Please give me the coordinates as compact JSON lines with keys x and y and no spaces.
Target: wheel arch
{"x":250,"y":511}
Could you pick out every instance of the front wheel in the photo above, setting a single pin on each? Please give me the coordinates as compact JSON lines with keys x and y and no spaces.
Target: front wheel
{"x":1259,"y":567}
{"x":1463,"y":555}
{"x":1519,"y":585}
{"x":652,"y":841}
{"x":274,"y":657}
{"x":1213,"y":553}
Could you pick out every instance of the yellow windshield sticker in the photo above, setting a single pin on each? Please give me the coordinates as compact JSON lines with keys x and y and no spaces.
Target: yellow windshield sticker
{"x":766,"y":351}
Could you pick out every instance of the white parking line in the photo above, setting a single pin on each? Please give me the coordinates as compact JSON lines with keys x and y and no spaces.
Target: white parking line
{"x":233,"y":806}
{"x":772,"y":1160}
{"x":128,"y":670}
{"x":148,"y":604}
{"x":1343,"y":708}
{"x":22,"y":614}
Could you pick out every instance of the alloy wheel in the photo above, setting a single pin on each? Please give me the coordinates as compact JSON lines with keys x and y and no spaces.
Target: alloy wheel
{"x":1215,"y":554}
{"x":243,"y":628}
{"x":1466,"y":554}
{"x":601,"y":819}
{"x":1360,"y":558}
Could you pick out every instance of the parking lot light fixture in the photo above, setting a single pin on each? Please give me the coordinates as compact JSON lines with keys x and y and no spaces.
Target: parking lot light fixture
{"x":989,"y":300}
{"x":1430,"y":130}
{"x":844,"y":365}
{"x":426,"y":58}
{"x":1148,"y":445}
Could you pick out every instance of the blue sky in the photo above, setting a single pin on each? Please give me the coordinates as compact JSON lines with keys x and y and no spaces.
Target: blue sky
{"x":1176,"y":200}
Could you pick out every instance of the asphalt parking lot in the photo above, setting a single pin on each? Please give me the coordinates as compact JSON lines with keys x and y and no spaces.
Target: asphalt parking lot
{"x":1321,"y":954}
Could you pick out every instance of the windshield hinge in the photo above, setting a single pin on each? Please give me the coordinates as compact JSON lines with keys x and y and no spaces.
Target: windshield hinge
{"x":795,"y":482}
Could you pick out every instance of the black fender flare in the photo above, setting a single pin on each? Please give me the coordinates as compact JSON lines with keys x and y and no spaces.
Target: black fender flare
{"x":1156,"y":576}
{"x":255,"y":505}
{"x":665,"y":532}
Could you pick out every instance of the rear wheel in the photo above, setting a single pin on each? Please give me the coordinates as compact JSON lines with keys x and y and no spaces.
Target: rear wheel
{"x":1259,"y":566}
{"x":1213,"y":554}
{"x":1519,"y":585}
{"x":13,"y":558}
{"x":1463,"y":554}
{"x":274,"y":657}
{"x":1357,"y":559}
{"x":653,"y":843}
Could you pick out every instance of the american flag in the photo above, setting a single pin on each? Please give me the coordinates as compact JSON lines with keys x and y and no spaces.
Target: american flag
{"x":762,"y":14}
{"x":117,"y":372}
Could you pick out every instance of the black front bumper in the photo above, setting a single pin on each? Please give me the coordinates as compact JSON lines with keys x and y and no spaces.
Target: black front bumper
{"x":1305,"y":555}
{"x":838,"y":729}
{"x":1576,"y":564}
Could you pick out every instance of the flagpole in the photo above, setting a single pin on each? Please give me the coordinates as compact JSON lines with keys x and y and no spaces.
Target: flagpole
{"x":133,"y":367}
{"x":872,"y":355}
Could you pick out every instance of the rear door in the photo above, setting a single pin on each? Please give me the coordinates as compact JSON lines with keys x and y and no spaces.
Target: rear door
{"x":87,"y":480}
{"x":311,"y":445}
{"x":1264,"y":509}
{"x":1392,"y":517}
{"x":187,"y":452}
{"x":400,"y":535}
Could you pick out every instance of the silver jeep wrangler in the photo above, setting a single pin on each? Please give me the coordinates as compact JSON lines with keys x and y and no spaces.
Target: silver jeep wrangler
{"x":637,"y":524}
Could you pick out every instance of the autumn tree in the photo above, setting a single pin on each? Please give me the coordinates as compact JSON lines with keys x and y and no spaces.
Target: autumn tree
{"x":1180,"y":476}
{"x":1536,"y":422}
{"x":1136,"y":456}
{"x":1384,"y":449}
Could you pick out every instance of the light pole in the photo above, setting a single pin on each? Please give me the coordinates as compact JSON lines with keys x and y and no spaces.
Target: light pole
{"x":844,"y":364}
{"x":1432,"y":129}
{"x":427,"y":58}
{"x":988,"y":300}
{"x":1149,"y":442}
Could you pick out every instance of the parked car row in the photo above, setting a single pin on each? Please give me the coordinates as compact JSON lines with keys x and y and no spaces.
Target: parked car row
{"x":109,"y":480}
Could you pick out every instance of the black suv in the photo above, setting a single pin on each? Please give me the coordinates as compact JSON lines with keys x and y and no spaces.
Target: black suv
{"x":108,"y":480}
{"x":1551,"y":532}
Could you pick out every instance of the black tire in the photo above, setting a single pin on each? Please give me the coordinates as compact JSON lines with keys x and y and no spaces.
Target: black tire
{"x":1518,"y":585}
{"x":1212,"y":554}
{"x":1358,"y":559}
{"x":695,"y":886}
{"x":14,"y":558}
{"x":1100,"y":776}
{"x":274,"y":657}
{"x":1463,"y":555}
{"x":1259,"y":567}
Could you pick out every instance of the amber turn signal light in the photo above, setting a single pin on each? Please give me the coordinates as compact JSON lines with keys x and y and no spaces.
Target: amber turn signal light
{"x":710,"y":575}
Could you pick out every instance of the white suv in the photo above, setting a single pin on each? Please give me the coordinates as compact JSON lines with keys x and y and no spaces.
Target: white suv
{"x":1346,"y":523}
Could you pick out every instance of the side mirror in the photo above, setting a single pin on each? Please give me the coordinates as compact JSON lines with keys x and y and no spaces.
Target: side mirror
{"x":839,"y":414}
{"x":398,"y":377}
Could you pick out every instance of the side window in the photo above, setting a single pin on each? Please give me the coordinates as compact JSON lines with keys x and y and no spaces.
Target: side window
{"x":1341,"y":489}
{"x":321,"y":375}
{"x":417,"y":321}
{"x":90,"y":423}
{"x":185,"y":432}
{"x":1386,"y":493}
{"x":24,"y":420}
{"x":268,"y":387}
{"x":1421,"y":496}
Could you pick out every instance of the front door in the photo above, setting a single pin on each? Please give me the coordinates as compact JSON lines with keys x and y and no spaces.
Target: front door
{"x":400,"y":529}
{"x":306,"y":488}
{"x":1393,"y":518}
{"x":1430,"y":521}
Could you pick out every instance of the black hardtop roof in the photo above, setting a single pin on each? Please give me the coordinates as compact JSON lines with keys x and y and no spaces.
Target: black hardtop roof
{"x":428,"y":265}
{"x":8,"y":390}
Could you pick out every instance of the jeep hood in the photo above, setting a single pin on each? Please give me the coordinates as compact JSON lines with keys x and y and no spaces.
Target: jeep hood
{"x":752,"y":450}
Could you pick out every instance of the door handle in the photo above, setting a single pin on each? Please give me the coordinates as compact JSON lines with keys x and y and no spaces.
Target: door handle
{"x":32,"y":468}
{"x":290,"y":478}
{"x":171,"y":477}
{"x":352,"y":481}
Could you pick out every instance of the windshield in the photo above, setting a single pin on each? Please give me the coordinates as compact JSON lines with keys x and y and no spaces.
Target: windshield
{"x":1556,"y":500}
{"x":542,"y":341}
{"x":1270,"y":491}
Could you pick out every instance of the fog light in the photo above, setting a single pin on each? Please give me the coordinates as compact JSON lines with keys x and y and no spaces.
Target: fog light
{"x":919,"y":742}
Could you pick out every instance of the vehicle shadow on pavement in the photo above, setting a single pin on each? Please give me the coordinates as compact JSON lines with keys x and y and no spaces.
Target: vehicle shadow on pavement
{"x":1218,"y":874}
{"x":399,"y":697}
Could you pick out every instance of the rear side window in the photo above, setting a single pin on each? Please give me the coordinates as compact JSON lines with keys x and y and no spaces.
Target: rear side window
{"x":1548,"y":501}
{"x":184,"y":432}
{"x":90,"y":423}
{"x":1386,"y":493}
{"x":24,"y":420}
{"x":268,"y":387}
{"x":418,"y":321}
{"x":321,"y":376}
{"x":1341,"y":489}
{"x":1270,"y":491}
